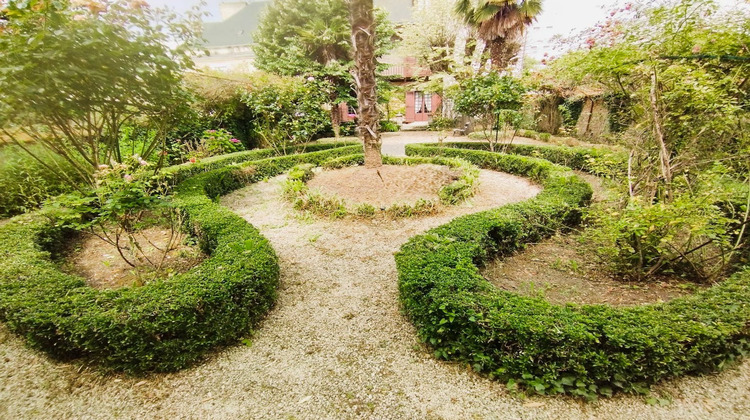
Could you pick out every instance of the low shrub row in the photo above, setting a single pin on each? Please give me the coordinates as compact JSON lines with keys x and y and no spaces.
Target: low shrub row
{"x":167,"y":324}
{"x":179,"y":173}
{"x":586,"y":350}
{"x":597,"y":161}
{"x":312,"y":201}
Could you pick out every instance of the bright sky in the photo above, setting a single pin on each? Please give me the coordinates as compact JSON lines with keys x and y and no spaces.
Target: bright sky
{"x":560,"y":17}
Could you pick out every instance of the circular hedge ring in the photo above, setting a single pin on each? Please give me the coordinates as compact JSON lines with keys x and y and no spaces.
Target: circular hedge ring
{"x":583,"y":350}
{"x":167,"y":324}
{"x":296,"y":189}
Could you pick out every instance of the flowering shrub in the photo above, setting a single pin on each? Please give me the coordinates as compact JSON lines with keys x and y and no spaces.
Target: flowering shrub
{"x":214,"y":143}
{"x":126,"y":198}
{"x":219,"y":142}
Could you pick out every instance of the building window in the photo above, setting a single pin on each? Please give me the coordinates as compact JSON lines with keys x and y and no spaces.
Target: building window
{"x":423,"y":102}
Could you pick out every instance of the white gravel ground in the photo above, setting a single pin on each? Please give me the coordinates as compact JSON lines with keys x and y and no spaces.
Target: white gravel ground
{"x":335,"y":346}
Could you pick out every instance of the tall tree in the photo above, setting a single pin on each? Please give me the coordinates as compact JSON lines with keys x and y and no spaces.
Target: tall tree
{"x":501,"y":23}
{"x":72,"y":74}
{"x":363,"y":40}
{"x":313,"y":38}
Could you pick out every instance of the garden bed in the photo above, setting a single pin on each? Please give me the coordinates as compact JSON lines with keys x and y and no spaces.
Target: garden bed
{"x":169,"y":323}
{"x":100,"y":265}
{"x":403,"y":187}
{"x":582,"y":350}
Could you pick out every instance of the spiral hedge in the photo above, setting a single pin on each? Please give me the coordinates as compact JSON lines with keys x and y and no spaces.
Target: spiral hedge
{"x":169,"y":323}
{"x":584,"y":350}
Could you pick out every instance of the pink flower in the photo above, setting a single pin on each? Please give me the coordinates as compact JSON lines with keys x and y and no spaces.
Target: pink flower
{"x":128,"y":178}
{"x":696,"y":49}
{"x":234,"y":141}
{"x":143,"y":163}
{"x":310,"y":79}
{"x":103,"y":167}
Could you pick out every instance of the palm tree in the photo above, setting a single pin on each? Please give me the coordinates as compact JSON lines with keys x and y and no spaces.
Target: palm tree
{"x":363,"y":41}
{"x":500,"y":23}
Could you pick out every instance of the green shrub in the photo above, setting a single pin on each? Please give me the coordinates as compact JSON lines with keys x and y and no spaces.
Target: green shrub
{"x":389,"y":127}
{"x":26,"y":183}
{"x":179,"y":173}
{"x":441,"y":124}
{"x":597,"y":161}
{"x":546,"y":137}
{"x":583,"y":350}
{"x":167,"y":324}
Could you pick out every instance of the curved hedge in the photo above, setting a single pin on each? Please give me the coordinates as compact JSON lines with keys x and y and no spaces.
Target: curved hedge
{"x":167,"y":324}
{"x":303,"y":199}
{"x":582,"y":350}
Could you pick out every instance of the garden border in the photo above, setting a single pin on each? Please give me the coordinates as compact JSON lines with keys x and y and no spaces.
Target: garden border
{"x":302,"y":198}
{"x":168,"y":324}
{"x":584,"y":350}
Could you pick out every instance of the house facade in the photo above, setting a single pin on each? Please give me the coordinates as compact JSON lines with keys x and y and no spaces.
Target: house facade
{"x":229,"y":45}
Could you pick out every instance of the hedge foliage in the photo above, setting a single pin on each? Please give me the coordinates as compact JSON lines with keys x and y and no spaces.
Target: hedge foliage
{"x":313,"y":201}
{"x":584,"y":350}
{"x":179,"y":173}
{"x":167,"y":324}
{"x":596,"y":160}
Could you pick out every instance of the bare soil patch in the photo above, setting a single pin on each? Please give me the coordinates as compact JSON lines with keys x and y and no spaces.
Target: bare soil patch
{"x":562,"y":270}
{"x":100,"y":264}
{"x":385,"y":186}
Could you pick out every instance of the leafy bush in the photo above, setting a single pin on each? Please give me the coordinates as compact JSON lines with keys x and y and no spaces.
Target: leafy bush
{"x":690,"y":235}
{"x":586,"y":350}
{"x":441,"y":124}
{"x":213,"y":143}
{"x":495,"y":100}
{"x":597,"y":161}
{"x":389,"y":126}
{"x":288,"y":111}
{"x":167,"y":324}
{"x":26,"y":183}
{"x":545,"y":137}
{"x":126,"y":199}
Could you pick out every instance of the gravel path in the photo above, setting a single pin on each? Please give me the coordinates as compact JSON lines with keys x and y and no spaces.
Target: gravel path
{"x":335,"y":346}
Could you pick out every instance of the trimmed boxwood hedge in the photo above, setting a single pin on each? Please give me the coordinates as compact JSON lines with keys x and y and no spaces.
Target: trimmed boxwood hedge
{"x":179,"y":173}
{"x":167,"y":324}
{"x":458,"y":191}
{"x":583,"y":350}
{"x":596,"y":160}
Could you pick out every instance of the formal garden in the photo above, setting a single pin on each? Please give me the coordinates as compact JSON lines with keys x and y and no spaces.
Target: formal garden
{"x":569,"y":240}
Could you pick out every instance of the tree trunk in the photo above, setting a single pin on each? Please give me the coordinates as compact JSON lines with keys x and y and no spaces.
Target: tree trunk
{"x":363,"y":40}
{"x":503,"y":51}
{"x":664,"y":154}
{"x":336,"y":120}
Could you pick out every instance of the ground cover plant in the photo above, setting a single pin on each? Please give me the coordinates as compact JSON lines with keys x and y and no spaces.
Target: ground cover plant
{"x":167,"y":324}
{"x":585,"y":350}
{"x":305,"y":199}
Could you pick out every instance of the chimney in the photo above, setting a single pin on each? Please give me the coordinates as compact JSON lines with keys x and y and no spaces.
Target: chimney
{"x":229,"y":9}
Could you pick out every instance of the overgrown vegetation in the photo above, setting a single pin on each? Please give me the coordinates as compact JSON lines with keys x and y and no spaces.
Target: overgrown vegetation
{"x":74,"y":74}
{"x":167,"y":324}
{"x":585,"y":350}
{"x":495,"y":101}
{"x":677,"y":75}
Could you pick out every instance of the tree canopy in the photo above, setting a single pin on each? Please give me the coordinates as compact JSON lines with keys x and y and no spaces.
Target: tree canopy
{"x":72,"y":74}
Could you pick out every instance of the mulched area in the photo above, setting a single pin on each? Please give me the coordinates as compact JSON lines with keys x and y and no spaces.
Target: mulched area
{"x":385,"y":186}
{"x":563,"y":270}
{"x":100,"y":264}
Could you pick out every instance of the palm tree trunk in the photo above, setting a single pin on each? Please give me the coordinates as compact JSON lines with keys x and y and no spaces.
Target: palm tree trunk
{"x":363,"y":40}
